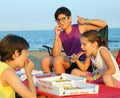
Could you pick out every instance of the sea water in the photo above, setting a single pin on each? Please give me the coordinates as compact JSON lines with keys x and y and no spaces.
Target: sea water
{"x":37,"y":38}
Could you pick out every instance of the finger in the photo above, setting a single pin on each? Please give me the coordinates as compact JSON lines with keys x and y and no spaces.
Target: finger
{"x":80,"y":54}
{"x":26,"y":61}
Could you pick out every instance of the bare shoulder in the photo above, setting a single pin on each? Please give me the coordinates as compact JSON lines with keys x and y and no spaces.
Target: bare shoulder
{"x":8,"y":71}
{"x":82,"y":28}
{"x":8,"y":74}
{"x":104,"y":52}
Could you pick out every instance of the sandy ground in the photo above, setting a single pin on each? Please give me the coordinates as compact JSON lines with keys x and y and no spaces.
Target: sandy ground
{"x":37,"y":55}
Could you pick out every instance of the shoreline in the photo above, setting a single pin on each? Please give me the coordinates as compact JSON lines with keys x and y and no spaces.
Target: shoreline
{"x":36,"y":56}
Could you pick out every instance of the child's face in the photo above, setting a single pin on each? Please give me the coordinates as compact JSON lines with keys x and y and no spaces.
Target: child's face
{"x":86,"y":46}
{"x":63,"y":21}
{"x":23,"y":58}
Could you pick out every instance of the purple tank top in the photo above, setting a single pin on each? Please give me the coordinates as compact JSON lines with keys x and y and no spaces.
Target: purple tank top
{"x":71,"y":42}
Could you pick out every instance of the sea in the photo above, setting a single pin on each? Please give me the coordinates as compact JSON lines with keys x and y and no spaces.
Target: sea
{"x":38,"y":38}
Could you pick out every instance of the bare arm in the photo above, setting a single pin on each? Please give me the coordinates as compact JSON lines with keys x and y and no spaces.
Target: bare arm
{"x":90,"y":24}
{"x":82,"y":65}
{"x":28,"y":69}
{"x":17,"y":85}
{"x":108,"y":61}
{"x":57,"y":46}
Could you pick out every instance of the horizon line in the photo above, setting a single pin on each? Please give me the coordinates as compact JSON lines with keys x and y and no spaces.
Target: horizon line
{"x":49,"y":29}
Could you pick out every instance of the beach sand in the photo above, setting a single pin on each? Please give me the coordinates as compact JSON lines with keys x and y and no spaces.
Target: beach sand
{"x":36,"y":56}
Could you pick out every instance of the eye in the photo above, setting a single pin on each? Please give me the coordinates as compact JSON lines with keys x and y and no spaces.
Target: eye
{"x":62,"y":19}
{"x":84,"y":44}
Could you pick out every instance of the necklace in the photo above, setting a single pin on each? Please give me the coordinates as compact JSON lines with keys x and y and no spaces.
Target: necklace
{"x":93,"y":69}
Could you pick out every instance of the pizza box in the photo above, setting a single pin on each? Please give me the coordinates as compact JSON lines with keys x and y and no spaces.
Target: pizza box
{"x":60,"y":79}
{"x":71,"y":88}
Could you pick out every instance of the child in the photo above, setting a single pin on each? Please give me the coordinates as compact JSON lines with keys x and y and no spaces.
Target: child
{"x":13,"y":53}
{"x":66,"y":37}
{"x":95,"y":48}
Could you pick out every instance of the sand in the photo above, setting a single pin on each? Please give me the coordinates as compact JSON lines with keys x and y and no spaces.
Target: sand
{"x":36,"y":56}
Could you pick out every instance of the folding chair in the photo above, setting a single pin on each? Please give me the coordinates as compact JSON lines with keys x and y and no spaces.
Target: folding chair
{"x":49,"y":49}
{"x":104,"y":33}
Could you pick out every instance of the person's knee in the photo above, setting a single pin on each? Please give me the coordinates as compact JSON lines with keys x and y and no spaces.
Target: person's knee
{"x":61,"y":60}
{"x":75,"y":72}
{"x":58,"y":61}
{"x":109,"y":80}
{"x":58,"y":65}
{"x":106,"y":78}
{"x":44,"y":61}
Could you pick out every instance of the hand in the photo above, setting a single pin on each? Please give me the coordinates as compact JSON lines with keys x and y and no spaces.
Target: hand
{"x":82,"y":20}
{"x":74,"y":57}
{"x":89,"y":78}
{"x":57,"y":30}
{"x":80,"y":54}
{"x":29,"y":66}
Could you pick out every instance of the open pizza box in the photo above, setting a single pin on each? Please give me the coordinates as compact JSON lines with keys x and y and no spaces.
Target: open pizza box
{"x":60,"y":79}
{"x":66,"y":84}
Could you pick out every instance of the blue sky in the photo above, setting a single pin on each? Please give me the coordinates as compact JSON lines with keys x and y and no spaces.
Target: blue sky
{"x":39,"y":14}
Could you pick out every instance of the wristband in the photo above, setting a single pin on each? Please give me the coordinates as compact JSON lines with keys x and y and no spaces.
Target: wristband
{"x":94,"y":77}
{"x":90,"y":21}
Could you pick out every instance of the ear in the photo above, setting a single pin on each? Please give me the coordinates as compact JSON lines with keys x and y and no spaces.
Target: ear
{"x":95,"y":44}
{"x":70,"y":18}
{"x":16,"y":54}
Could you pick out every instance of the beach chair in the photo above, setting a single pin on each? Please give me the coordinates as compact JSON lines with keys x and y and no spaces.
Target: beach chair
{"x":49,"y":49}
{"x":103,"y":32}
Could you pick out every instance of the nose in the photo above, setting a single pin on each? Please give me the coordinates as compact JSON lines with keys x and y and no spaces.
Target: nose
{"x":81,"y":46}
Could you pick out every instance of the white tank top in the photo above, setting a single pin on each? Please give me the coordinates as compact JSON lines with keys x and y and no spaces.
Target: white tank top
{"x":101,"y":66}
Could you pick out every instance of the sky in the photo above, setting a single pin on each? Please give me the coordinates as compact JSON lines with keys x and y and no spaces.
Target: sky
{"x":39,"y":14}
